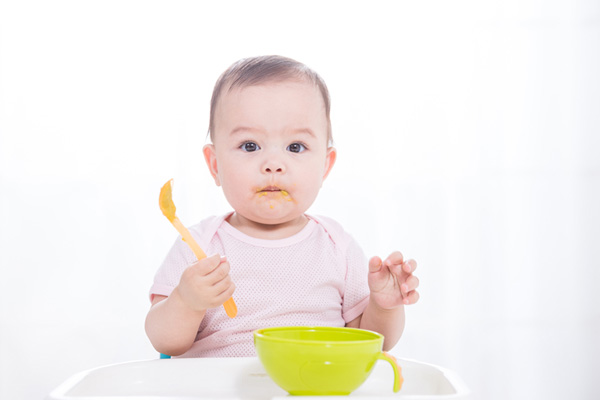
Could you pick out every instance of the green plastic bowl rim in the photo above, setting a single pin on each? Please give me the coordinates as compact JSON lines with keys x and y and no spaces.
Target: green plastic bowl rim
{"x":260,"y":333}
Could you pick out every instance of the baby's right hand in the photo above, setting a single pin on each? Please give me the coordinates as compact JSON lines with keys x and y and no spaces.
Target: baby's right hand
{"x":206,"y":283}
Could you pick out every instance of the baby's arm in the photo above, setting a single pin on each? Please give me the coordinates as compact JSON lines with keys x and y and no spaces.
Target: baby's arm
{"x":392,"y":285}
{"x":172,"y":322}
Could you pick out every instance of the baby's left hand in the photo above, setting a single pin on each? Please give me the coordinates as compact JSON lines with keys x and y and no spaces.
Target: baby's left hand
{"x":392,"y":282}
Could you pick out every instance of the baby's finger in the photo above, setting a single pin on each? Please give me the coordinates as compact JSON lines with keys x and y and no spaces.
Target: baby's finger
{"x":225,"y":286}
{"x":409,"y":266}
{"x":412,"y":282}
{"x":374,"y":264}
{"x":396,"y":258}
{"x":219,"y":273}
{"x":411,"y":298}
{"x":227,"y":293}
{"x":206,"y":265}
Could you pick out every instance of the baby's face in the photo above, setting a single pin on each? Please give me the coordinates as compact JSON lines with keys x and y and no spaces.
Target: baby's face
{"x":270,"y":150}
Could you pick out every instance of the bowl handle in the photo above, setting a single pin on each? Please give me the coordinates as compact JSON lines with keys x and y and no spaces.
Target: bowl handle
{"x":398,"y":379}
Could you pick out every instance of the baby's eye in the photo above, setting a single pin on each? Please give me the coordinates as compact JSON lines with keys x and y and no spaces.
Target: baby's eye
{"x":249,"y":146}
{"x":296,"y":147}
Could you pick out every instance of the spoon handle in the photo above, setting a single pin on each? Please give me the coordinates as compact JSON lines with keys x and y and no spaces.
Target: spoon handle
{"x":229,"y":305}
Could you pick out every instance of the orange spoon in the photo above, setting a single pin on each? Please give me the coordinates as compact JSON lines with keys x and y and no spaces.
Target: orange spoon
{"x":167,"y":207}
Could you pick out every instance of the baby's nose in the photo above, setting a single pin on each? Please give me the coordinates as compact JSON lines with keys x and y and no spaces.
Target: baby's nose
{"x":273,"y":165}
{"x":274,"y":170}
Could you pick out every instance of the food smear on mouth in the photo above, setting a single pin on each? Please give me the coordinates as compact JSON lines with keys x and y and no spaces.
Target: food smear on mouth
{"x":286,"y":195}
{"x":275,"y":194}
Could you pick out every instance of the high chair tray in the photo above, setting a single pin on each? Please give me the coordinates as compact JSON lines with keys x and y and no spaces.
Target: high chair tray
{"x":241,"y":379}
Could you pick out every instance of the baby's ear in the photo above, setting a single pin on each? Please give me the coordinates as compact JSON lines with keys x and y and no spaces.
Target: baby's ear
{"x":329,"y":160}
{"x":210,"y":156}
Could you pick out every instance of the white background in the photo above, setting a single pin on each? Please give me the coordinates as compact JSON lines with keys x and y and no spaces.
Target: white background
{"x":468,"y":136}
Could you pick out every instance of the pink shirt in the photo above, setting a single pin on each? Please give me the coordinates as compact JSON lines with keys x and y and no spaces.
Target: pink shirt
{"x":318,"y":277}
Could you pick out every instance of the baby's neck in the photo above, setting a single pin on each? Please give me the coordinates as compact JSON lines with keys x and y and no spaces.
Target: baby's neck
{"x":267,"y":231}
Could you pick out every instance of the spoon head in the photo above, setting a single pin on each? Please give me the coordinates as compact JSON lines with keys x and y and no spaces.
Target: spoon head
{"x":165,"y":201}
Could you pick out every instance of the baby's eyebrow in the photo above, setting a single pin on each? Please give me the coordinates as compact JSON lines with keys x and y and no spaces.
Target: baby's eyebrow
{"x":243,"y":129}
{"x":306,"y":131}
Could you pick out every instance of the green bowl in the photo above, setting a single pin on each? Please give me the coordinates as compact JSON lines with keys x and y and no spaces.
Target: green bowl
{"x":321,"y":360}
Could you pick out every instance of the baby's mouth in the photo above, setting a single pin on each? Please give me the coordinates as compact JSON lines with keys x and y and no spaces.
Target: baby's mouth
{"x":272,"y":190}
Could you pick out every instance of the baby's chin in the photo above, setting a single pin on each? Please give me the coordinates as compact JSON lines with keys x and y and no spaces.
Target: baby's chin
{"x":274,"y":220}
{"x":287,"y":224}
{"x":270,"y":209}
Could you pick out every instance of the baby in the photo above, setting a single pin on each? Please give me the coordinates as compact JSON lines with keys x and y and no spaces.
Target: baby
{"x":271,"y":151}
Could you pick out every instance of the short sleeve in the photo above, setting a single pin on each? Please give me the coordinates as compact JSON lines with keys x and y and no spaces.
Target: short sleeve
{"x":167,"y":277}
{"x":181,"y":256}
{"x":356,"y":293}
{"x":355,"y":296}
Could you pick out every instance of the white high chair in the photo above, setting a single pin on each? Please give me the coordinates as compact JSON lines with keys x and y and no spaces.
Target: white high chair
{"x":241,"y":379}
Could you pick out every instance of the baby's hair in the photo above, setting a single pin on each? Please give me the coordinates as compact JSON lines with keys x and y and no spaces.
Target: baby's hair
{"x":265,"y":69}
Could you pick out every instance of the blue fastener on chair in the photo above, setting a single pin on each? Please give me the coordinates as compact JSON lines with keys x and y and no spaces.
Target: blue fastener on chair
{"x":164,"y":356}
